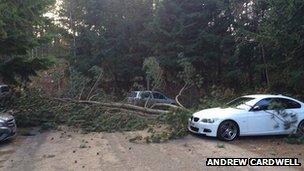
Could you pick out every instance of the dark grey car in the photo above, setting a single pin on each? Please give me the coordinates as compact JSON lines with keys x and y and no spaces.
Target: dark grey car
{"x":7,"y":127}
{"x":140,"y":98}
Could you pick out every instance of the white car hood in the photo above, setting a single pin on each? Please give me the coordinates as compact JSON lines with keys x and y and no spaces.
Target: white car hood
{"x":217,"y":113}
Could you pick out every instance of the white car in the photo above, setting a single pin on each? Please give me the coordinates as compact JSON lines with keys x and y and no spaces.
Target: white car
{"x":248,"y":116}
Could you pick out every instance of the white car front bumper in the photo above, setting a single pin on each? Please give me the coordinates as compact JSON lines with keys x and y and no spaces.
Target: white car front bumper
{"x":208,"y":129}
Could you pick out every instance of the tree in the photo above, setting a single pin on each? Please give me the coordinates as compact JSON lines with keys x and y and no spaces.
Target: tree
{"x":241,"y":44}
{"x":188,"y":76}
{"x":270,"y":42}
{"x":199,"y":30}
{"x":283,"y":37}
{"x":22,"y":27}
{"x":154,"y":73}
{"x":109,"y":33}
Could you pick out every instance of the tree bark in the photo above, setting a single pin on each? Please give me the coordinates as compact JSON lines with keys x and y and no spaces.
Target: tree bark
{"x":95,"y":85}
{"x":170,"y":106}
{"x":179,"y":94}
{"x":117,"y":105}
{"x":266,"y":66}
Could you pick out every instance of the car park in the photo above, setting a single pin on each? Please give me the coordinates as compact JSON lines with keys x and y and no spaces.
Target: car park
{"x":248,"y":116}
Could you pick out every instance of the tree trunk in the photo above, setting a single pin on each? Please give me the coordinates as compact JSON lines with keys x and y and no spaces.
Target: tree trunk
{"x":117,"y":105}
{"x":266,"y":66}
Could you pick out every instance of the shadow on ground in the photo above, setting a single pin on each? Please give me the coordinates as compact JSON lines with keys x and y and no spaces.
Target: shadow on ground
{"x":245,"y":138}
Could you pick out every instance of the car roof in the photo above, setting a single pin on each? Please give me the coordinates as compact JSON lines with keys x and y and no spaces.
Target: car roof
{"x":263,"y":96}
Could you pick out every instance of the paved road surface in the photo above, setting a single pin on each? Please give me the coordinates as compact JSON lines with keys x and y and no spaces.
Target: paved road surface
{"x":67,"y":150}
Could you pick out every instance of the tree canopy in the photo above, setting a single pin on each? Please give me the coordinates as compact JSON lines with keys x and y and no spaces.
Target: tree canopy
{"x":235,"y":44}
{"x":22,"y":28}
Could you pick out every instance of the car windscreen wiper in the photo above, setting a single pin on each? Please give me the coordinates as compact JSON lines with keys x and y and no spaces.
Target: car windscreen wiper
{"x":248,"y":105}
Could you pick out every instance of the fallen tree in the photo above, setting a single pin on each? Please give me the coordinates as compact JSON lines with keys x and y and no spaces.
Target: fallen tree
{"x":34,"y":109}
{"x":122,"y":106}
{"x":170,"y":106}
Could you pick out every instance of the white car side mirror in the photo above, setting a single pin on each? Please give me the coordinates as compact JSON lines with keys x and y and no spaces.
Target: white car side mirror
{"x":256,"y":108}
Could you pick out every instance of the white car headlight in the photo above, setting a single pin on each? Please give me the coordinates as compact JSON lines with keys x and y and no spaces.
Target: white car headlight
{"x":208,"y":120}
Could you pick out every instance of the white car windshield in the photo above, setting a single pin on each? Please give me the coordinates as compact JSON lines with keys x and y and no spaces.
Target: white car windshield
{"x":240,"y":103}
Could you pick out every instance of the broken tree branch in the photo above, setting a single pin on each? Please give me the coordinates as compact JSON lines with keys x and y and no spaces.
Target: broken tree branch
{"x":140,"y":114}
{"x":147,"y":102}
{"x":116,"y":105}
{"x":180,"y":93}
{"x":170,"y":106}
{"x":93,"y":96}
{"x":82,"y":90}
{"x":95,"y":84}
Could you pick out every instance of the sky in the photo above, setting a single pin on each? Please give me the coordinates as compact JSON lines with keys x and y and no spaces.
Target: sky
{"x":53,"y":14}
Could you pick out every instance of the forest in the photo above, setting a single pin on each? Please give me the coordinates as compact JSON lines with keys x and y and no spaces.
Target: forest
{"x":240,"y":45}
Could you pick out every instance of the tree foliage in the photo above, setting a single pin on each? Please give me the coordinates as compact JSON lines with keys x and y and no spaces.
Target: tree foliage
{"x":235,"y":44}
{"x":22,"y":28}
{"x":154,"y":73}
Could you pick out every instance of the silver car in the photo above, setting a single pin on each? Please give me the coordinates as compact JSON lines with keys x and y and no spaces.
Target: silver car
{"x":141,"y":98}
{"x":7,"y":127}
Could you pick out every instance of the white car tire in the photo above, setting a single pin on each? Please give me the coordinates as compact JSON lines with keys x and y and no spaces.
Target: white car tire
{"x":300,"y":130}
{"x":228,"y":131}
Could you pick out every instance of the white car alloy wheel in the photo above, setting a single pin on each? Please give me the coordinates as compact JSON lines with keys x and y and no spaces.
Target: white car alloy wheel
{"x":300,"y":130}
{"x":228,"y":131}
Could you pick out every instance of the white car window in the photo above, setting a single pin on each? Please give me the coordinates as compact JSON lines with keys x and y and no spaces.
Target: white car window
{"x":240,"y":103}
{"x":287,"y":104}
{"x":264,"y":104}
